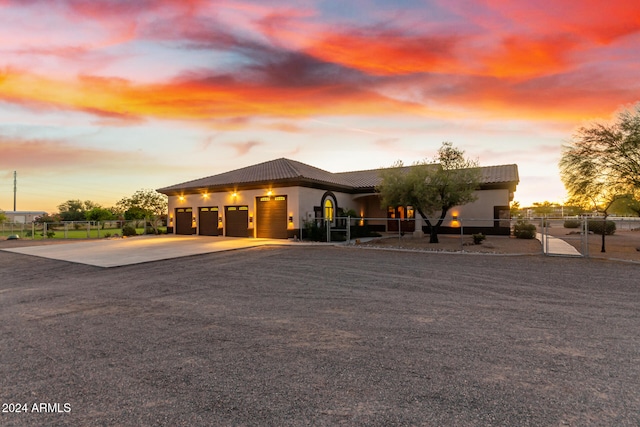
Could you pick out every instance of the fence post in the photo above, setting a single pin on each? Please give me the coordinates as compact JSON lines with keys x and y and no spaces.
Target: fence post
{"x":326,"y":221}
{"x":461,"y":236}
{"x":44,"y":231}
{"x":348,"y":230}
{"x":399,"y":230}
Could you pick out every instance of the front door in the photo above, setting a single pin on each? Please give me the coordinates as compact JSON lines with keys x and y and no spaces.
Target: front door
{"x":402,"y":216}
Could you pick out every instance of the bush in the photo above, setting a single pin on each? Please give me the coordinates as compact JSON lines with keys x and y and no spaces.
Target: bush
{"x":478,"y":238}
{"x":524,"y":230}
{"x":571,"y":223}
{"x":128,"y":230}
{"x":107,"y":235}
{"x":314,"y":232}
{"x":597,"y":226}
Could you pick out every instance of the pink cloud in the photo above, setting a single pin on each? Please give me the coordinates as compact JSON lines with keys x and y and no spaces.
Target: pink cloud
{"x":243,"y":148}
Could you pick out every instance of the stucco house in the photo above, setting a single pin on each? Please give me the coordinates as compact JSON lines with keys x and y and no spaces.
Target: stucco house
{"x":273,"y":199}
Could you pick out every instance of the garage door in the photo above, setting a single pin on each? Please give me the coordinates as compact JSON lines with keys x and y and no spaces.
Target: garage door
{"x":184,"y":221}
{"x":271,"y":217}
{"x":208,"y":221}
{"x":236,"y":221}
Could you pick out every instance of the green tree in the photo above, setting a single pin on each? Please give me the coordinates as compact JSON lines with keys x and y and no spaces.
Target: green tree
{"x":627,"y":205}
{"x":588,"y":175}
{"x":514,"y":209}
{"x":98,"y":214}
{"x":544,"y":208}
{"x":153,"y":203}
{"x":75,"y":210}
{"x":3,"y":216}
{"x":143,"y":204}
{"x":135,"y":213}
{"x":48,"y":218}
{"x":611,"y":149}
{"x":432,"y":187}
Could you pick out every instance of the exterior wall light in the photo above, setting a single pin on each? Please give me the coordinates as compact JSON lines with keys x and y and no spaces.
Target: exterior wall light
{"x":455,"y":217}
{"x":181,"y":198}
{"x":250,"y":218}
{"x":269,"y":193}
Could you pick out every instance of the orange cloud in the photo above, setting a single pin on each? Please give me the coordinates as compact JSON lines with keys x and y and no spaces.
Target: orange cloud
{"x":521,"y":56}
{"x":388,"y":52}
{"x":192,"y":97}
{"x":588,"y":18}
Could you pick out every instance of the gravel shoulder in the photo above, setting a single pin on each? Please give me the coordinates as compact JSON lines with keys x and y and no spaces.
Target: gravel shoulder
{"x":322,"y":336}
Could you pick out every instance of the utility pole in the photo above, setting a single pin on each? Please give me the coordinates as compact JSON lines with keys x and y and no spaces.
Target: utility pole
{"x":15,"y":188}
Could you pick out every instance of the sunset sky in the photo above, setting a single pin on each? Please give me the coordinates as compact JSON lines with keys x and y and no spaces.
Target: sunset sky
{"x":100,"y":98}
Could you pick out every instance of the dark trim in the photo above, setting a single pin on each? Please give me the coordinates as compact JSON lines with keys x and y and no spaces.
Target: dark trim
{"x":325,"y":196}
{"x":489,"y":231}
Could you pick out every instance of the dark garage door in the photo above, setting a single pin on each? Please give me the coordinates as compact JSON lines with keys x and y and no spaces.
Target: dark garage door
{"x":271,"y":217}
{"x":236,"y":221}
{"x":209,"y":221}
{"x":184,"y":218}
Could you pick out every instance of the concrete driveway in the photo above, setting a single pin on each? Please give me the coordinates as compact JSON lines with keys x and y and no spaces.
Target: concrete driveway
{"x":118,"y":252}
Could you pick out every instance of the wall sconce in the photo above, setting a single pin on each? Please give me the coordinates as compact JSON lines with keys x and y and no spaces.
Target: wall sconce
{"x":205,"y":195}
{"x":291,"y":219}
{"x":269,"y":193}
{"x":455,"y":217}
{"x":181,"y":198}
{"x":250,"y":218}
{"x":234,"y":195}
{"x":193,"y":220}
{"x":220,"y":220}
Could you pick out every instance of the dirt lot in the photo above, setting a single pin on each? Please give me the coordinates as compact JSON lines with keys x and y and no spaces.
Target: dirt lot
{"x":322,"y":336}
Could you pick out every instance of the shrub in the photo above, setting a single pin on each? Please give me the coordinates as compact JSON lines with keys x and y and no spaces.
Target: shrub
{"x":314,"y":232}
{"x":128,"y":230}
{"x":478,"y":238}
{"x":524,"y":230}
{"x":107,"y":235}
{"x":597,"y":226}
{"x":571,"y":223}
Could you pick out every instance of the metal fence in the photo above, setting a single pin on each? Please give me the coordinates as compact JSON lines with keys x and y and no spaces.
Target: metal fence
{"x":559,"y":234}
{"x":80,"y":229}
{"x":346,"y":229}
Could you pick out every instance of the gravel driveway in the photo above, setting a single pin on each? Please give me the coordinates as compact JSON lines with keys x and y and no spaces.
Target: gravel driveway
{"x":321,"y":336}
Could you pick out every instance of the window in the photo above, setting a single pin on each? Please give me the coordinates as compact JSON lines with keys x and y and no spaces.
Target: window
{"x":328,"y":209}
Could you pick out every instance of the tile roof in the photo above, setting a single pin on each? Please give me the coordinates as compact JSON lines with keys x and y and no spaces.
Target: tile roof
{"x":272,"y":171}
{"x":286,"y":170}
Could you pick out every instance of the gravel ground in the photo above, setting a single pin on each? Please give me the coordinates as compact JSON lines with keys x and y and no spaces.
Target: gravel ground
{"x":322,"y":336}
